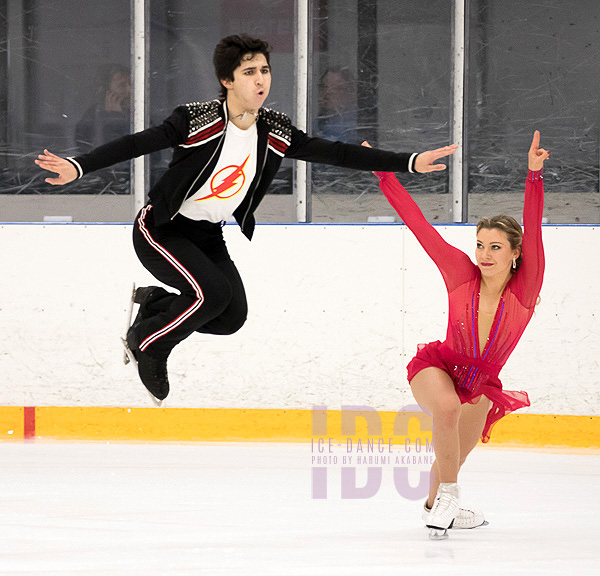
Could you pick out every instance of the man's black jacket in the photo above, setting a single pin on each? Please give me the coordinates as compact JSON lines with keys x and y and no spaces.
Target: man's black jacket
{"x":196,"y":132}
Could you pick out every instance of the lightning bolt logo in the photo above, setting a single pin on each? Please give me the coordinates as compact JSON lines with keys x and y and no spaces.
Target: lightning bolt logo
{"x":227,"y":182}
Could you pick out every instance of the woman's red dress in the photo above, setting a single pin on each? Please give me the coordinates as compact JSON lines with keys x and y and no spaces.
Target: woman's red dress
{"x":474,"y":371}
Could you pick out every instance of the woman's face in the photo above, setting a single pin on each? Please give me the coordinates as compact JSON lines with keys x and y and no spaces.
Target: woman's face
{"x":493,"y":253}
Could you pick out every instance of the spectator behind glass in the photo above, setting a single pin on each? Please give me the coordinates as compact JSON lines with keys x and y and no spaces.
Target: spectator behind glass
{"x":105,"y":120}
{"x":337,"y":113}
{"x":108,"y":117}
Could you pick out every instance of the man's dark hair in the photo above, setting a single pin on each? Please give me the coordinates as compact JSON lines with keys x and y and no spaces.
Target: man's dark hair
{"x":229,"y":53}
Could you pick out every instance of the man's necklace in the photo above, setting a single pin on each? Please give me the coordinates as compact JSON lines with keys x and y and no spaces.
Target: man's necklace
{"x":244,"y":115}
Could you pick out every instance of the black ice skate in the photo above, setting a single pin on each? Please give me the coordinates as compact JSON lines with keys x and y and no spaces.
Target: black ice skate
{"x":138,"y":296}
{"x":152,"y":371}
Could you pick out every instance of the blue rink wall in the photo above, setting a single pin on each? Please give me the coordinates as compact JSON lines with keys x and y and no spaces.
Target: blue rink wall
{"x":336,"y":312}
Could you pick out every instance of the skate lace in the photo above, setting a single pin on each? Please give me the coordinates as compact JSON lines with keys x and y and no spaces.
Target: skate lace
{"x":160,"y":371}
{"x":445,"y":503}
{"x":158,"y":367}
{"x":466,"y":513}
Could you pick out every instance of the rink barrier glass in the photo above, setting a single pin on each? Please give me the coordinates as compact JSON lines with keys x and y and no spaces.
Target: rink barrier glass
{"x":525,"y":69}
{"x":269,"y":425}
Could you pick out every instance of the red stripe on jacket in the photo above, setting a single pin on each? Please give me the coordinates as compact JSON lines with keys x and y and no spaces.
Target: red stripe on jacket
{"x":280,"y":145}
{"x":206,"y":133}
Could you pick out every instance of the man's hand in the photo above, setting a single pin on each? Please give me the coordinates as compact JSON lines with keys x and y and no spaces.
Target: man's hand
{"x":113,"y":101}
{"x":53,"y":163}
{"x":537,"y":155}
{"x":424,"y":162}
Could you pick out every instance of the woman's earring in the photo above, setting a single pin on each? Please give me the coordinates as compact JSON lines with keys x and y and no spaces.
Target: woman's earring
{"x":514,"y":263}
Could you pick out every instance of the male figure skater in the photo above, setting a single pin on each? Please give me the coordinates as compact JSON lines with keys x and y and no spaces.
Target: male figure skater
{"x":225,"y":155}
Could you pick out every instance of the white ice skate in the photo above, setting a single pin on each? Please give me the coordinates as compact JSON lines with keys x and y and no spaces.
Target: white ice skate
{"x":466,"y":519}
{"x":444,"y":511}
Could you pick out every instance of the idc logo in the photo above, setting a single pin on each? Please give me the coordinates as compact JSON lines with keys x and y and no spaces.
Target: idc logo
{"x":405,"y":454}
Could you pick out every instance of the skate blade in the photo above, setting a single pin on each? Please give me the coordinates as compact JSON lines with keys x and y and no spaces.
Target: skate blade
{"x":484,"y":523}
{"x":128,"y":354}
{"x":131,"y":358}
{"x":438,"y":534}
{"x":158,"y":403}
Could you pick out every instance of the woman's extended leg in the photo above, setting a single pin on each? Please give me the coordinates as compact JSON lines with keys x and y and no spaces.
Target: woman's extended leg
{"x":434,"y":391}
{"x":470,"y":426}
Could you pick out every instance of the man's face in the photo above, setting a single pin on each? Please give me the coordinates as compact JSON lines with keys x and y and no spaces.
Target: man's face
{"x":251,"y":83}
{"x":120,"y":85}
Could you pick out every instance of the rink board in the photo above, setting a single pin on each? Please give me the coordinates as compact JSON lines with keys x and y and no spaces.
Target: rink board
{"x":336,"y":313}
{"x":232,"y":425}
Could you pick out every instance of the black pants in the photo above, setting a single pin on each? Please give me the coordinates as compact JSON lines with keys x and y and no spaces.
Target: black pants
{"x":190,"y":256}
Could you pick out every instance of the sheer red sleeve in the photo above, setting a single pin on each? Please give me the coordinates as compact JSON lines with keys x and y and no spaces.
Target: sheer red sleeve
{"x":455,"y":266}
{"x":531,"y":272}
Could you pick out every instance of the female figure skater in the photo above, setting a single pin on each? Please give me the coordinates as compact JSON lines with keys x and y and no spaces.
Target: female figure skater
{"x":490,"y":304}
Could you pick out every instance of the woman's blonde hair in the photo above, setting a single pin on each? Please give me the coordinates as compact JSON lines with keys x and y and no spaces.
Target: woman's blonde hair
{"x":510,"y":227}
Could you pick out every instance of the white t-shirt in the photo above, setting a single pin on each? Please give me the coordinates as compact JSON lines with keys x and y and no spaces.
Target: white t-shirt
{"x":227,"y":186}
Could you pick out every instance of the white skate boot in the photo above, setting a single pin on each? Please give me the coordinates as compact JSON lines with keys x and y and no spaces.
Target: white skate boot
{"x":466,"y":518}
{"x":444,"y":511}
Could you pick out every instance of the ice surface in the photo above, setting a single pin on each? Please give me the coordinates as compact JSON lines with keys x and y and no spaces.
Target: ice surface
{"x":225,"y":509}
